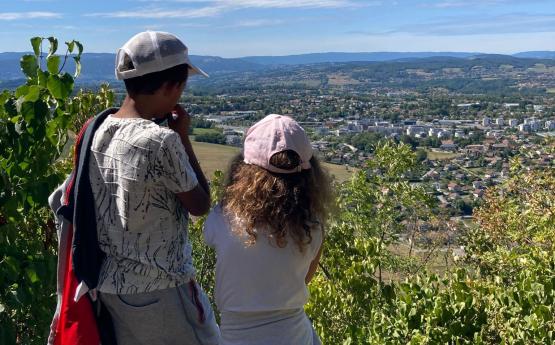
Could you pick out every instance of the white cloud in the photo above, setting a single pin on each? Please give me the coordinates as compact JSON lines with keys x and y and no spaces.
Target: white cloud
{"x":471,"y":25}
{"x":159,"y":13}
{"x":217,"y":7}
{"x":490,"y":43}
{"x":66,"y":27}
{"x":473,"y":3}
{"x":509,"y":23}
{"x":257,"y":23}
{"x":28,"y":15}
{"x":273,"y":3}
{"x":288,"y":3}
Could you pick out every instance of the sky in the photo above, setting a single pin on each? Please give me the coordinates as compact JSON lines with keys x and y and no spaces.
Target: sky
{"x":235,"y":28}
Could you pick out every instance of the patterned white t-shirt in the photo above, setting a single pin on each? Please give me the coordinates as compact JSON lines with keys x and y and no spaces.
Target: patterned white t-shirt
{"x":136,"y":168}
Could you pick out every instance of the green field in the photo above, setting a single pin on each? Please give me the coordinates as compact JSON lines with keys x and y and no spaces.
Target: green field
{"x":214,"y":157}
{"x":433,"y":155}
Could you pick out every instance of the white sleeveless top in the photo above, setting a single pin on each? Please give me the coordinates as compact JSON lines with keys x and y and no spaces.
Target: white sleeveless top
{"x":259,"y":276}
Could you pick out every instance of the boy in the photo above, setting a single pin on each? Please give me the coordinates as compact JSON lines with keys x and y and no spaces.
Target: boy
{"x":144,"y":179}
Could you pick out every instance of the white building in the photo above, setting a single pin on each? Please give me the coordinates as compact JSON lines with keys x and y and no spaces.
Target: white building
{"x":444,"y":134}
{"x":433,"y":132}
{"x":385,"y":129}
{"x":420,"y":131}
{"x":513,"y":122}
{"x":494,"y":134}
{"x":486,"y":122}
{"x":500,"y":121}
{"x":538,"y":108}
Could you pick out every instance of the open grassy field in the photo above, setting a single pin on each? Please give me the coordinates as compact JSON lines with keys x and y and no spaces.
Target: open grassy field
{"x":434,"y":155}
{"x":214,"y":157}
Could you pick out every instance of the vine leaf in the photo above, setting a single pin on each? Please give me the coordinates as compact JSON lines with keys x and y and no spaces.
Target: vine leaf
{"x":33,"y":94}
{"x":60,"y":87}
{"x":36,"y":42}
{"x":77,"y":66}
{"x":53,"y":46}
{"x":29,"y":65}
{"x":79,"y":47}
{"x":70,"y":46}
{"x":53,"y":64}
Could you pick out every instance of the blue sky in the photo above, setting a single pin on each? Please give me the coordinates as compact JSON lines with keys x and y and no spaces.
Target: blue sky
{"x":234,"y":28}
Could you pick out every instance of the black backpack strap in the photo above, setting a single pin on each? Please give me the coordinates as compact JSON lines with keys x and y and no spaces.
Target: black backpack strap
{"x":86,"y":254}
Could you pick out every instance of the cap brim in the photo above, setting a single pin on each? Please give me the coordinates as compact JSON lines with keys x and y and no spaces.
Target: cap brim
{"x":195,"y":70}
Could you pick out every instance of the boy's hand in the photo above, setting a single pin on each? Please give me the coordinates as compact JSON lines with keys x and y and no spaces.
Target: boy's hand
{"x":180,"y":121}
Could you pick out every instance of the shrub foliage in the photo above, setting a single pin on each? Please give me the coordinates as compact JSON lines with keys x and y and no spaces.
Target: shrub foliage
{"x":35,"y":120}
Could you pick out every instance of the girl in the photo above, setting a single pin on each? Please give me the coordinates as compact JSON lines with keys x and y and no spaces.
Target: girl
{"x":268,"y":233}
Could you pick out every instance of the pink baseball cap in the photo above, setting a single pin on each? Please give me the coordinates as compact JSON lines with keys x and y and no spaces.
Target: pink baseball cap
{"x":276,"y":133}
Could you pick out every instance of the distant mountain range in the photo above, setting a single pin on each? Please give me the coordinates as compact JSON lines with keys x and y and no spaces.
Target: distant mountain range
{"x":347,"y":57}
{"x":100,"y":66}
{"x":537,"y":55}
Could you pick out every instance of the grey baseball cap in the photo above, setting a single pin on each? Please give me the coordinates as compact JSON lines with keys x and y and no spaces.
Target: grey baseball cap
{"x":152,"y":51}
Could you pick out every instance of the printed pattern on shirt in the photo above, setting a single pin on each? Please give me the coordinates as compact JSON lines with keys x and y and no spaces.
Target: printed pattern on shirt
{"x":136,"y":168}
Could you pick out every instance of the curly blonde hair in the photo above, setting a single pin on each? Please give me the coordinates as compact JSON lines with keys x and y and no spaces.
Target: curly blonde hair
{"x":287,"y":203}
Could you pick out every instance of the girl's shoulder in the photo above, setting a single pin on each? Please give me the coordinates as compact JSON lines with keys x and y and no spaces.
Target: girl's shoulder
{"x":215,"y":225}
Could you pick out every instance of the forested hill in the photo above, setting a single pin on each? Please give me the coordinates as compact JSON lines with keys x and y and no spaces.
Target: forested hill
{"x":99,"y":66}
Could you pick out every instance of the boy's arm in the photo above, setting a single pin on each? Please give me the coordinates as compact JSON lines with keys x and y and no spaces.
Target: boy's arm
{"x":196,"y":201}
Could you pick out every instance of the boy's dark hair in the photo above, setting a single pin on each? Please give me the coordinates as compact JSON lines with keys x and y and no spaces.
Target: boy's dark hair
{"x":148,"y":84}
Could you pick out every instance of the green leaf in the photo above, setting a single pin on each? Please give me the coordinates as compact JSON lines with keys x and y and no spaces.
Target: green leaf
{"x":52,"y":131}
{"x":29,"y":65}
{"x":53,"y":46}
{"x":80,"y":48}
{"x":60,"y":87}
{"x":53,"y":64}
{"x":31,"y":202}
{"x":36,"y":42}
{"x":70,"y":46}
{"x":33,"y":94}
{"x":15,"y":119}
{"x":21,"y":91}
{"x":77,"y":66}
{"x":42,"y":77}
{"x":28,"y":111}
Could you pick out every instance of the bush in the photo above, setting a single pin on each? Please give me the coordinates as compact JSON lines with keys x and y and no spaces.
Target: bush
{"x":35,"y":120}
{"x":214,"y":138}
{"x":502,"y":294}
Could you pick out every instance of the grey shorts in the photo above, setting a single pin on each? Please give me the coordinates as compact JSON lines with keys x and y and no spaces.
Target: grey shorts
{"x":180,"y":315}
{"x":277,"y":327}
